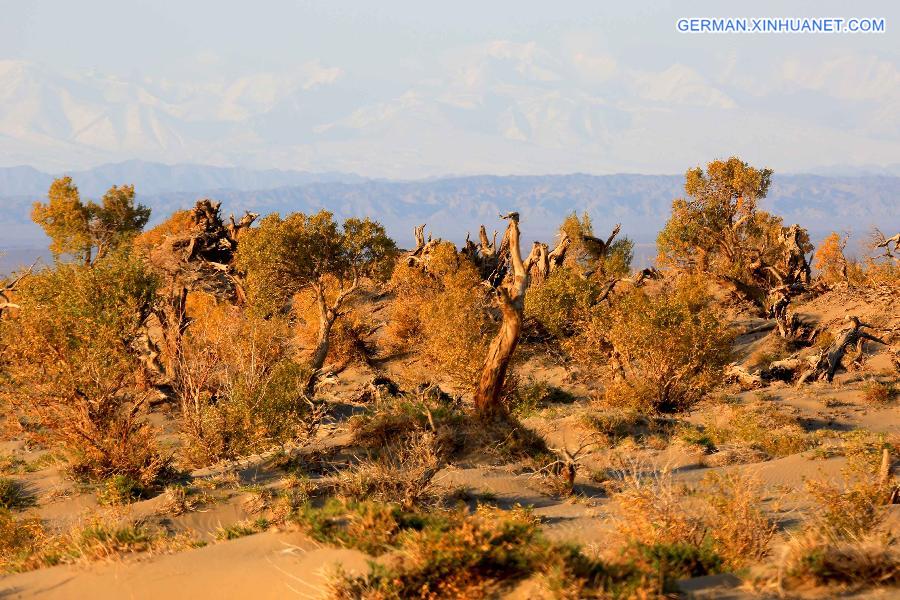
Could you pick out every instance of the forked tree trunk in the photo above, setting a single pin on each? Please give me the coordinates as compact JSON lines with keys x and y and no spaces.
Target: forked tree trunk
{"x":511,"y":296}
{"x":327,"y":316}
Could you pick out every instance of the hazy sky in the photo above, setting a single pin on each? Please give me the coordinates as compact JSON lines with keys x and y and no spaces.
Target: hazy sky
{"x":403,"y":88}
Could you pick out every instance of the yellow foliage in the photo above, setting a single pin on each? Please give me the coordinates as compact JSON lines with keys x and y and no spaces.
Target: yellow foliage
{"x":443,"y":313}
{"x":181,"y":221}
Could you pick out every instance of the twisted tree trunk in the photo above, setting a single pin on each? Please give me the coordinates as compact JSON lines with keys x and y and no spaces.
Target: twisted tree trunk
{"x":511,"y":297}
{"x":830,"y":358}
{"x":327,"y":316}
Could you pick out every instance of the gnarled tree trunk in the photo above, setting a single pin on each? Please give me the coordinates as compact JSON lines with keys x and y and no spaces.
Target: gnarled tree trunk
{"x":327,"y":316}
{"x":511,"y":296}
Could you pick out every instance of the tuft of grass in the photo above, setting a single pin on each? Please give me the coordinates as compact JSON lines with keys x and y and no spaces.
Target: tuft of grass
{"x":179,"y":499}
{"x":863,"y":449}
{"x":402,"y":420}
{"x":758,"y":427}
{"x":372,"y":527}
{"x":99,"y":540}
{"x":526,"y":398}
{"x":402,"y":474}
{"x":26,"y":545}
{"x":120,"y":489}
{"x":13,"y":464}
{"x":14,"y":495}
{"x":872,"y":560}
{"x":242,"y":529}
{"x":619,"y":424}
{"x":878,"y":393}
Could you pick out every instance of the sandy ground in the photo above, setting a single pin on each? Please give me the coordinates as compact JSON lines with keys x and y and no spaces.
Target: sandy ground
{"x":285,"y":564}
{"x":266,"y":565}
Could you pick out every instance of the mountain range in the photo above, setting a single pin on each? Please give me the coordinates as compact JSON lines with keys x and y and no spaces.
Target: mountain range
{"x":450,"y":206}
{"x":500,"y":107}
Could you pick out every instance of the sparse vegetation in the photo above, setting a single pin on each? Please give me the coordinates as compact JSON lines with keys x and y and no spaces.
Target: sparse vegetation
{"x":758,"y":427}
{"x":878,"y":393}
{"x":14,"y":495}
{"x":217,"y":331}
{"x":240,"y":384}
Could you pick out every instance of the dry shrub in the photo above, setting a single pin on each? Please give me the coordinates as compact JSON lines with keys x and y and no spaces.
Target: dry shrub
{"x":811,"y":559}
{"x":879,"y":393}
{"x":71,"y":366}
{"x":748,"y":430}
{"x":847,"y":511}
{"x":881,"y":271}
{"x":844,"y":542}
{"x":403,"y":474}
{"x":667,"y":351}
{"x":670,"y":531}
{"x":21,"y":543}
{"x":654,"y":510}
{"x":740,"y":530}
{"x":240,"y":385}
{"x":444,"y":313}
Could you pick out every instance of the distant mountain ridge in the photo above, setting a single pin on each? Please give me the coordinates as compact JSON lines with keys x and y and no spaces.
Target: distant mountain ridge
{"x":452,"y":206}
{"x":158,"y":178}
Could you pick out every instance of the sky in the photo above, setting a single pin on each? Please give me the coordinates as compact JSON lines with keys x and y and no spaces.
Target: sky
{"x":418,"y":89}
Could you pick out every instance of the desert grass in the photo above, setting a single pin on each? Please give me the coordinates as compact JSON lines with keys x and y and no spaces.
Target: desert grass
{"x":402,"y":474}
{"x":400,"y":419}
{"x":811,"y":559}
{"x":25,"y":544}
{"x":671,"y":531}
{"x":482,"y":555}
{"x":121,"y":489}
{"x":879,"y":393}
{"x":755,"y":431}
{"x":178,"y":499}
{"x":14,"y":495}
{"x":241,"y":529}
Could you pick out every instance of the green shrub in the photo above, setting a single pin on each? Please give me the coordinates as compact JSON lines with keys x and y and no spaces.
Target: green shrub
{"x":120,"y":489}
{"x":666,"y":351}
{"x":561,"y":301}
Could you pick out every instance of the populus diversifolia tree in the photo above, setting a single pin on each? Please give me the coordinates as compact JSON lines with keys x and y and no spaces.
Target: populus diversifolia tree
{"x":88,"y":231}
{"x":284,"y":256}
